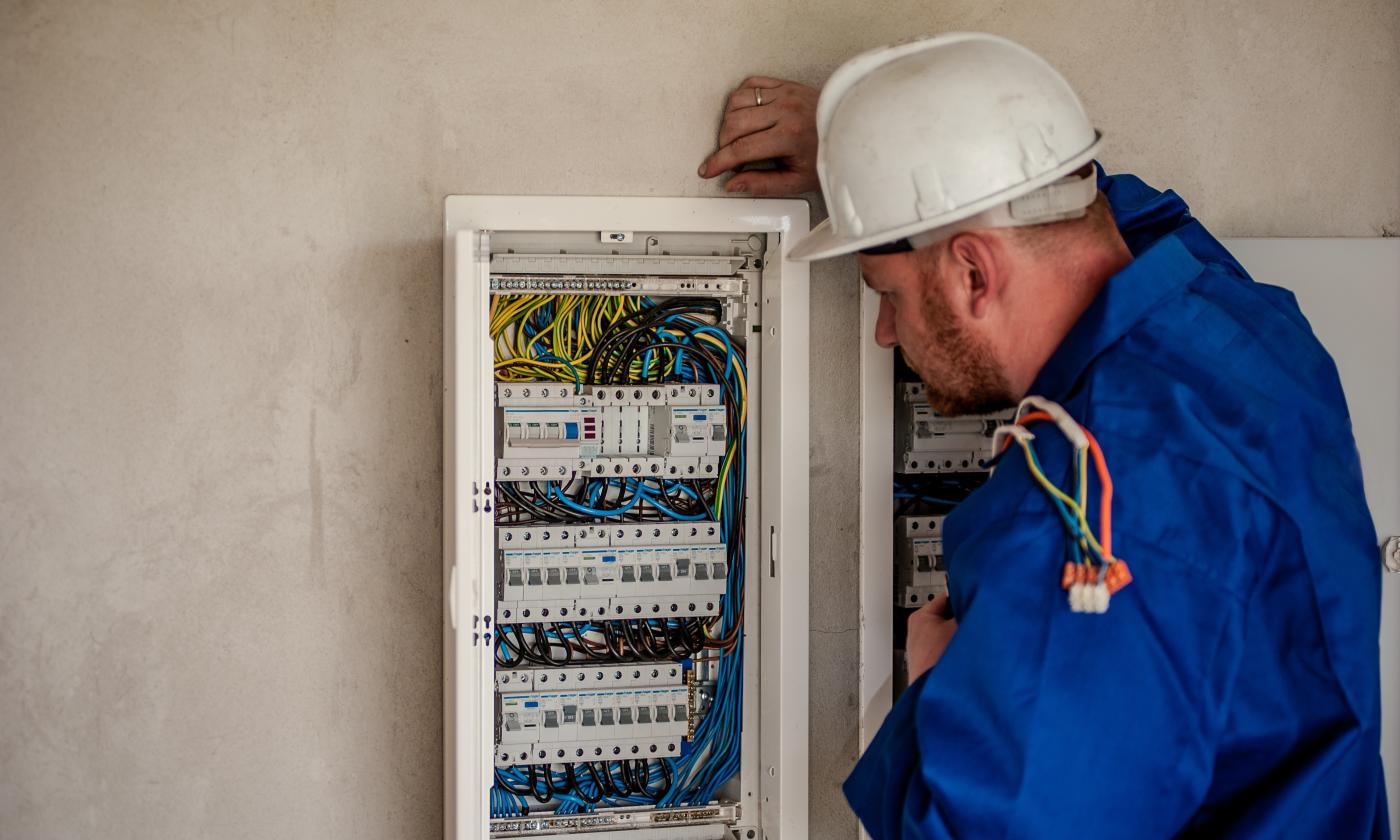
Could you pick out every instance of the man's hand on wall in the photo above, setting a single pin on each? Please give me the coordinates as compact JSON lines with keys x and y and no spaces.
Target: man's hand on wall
{"x":931,"y":628}
{"x":783,"y":129}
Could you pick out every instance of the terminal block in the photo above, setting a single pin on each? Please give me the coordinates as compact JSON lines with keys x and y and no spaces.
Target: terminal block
{"x":626,"y":675}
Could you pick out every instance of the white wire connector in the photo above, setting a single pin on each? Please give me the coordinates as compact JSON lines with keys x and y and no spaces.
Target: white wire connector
{"x":1010,"y":430}
{"x":1071,"y":429}
{"x":1089,"y":598}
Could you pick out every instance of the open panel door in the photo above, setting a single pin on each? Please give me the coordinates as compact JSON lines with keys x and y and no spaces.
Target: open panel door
{"x":468,"y":573}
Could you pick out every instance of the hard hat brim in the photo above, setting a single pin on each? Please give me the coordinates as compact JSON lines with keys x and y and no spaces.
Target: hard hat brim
{"x":823,"y":242}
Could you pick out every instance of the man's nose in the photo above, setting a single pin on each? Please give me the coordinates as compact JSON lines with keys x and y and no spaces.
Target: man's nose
{"x":884,"y":325}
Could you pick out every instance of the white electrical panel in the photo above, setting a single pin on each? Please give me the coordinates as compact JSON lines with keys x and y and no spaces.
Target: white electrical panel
{"x":626,"y":518}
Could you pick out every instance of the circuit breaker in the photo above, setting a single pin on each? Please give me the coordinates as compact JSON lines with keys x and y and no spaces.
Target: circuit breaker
{"x":920,"y":575}
{"x":626,"y":506}
{"x":927,"y":442}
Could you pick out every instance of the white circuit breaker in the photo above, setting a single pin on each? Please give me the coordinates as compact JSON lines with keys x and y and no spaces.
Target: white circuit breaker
{"x":920,"y":575}
{"x":626,"y":519}
{"x":926,"y":442}
{"x":548,"y":431}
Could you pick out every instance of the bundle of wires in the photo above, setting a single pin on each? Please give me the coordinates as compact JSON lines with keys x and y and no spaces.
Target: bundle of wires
{"x":1091,"y":572}
{"x":613,"y":499}
{"x":559,"y":643}
{"x":603,"y":340}
{"x":577,"y":787}
{"x":932,"y":494}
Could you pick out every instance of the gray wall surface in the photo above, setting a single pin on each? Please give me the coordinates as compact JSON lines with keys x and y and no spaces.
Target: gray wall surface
{"x":220,"y":340}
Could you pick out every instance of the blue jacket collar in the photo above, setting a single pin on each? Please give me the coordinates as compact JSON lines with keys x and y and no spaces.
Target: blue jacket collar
{"x":1160,"y":272}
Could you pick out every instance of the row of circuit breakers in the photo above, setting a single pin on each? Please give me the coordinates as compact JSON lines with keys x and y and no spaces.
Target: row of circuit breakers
{"x":626,"y":570}
{"x":927,"y":443}
{"x":547,"y":432}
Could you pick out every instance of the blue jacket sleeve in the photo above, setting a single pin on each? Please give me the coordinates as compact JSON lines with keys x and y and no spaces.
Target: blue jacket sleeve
{"x":1040,"y":722}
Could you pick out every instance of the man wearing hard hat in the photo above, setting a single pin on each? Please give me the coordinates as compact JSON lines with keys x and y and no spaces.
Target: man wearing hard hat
{"x":1165,"y":602}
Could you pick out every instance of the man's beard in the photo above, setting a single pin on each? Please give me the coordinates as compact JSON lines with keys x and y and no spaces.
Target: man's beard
{"x":960,"y":372}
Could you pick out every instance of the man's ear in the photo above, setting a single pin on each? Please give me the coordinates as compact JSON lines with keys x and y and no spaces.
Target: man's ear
{"x":977,"y":275}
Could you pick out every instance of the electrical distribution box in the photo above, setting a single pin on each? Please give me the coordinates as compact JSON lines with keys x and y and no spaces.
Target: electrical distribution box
{"x":935,"y":464}
{"x":625,"y":523}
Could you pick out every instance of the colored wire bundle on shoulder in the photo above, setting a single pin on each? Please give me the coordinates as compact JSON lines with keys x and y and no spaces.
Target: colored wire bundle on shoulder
{"x":1092,"y":574}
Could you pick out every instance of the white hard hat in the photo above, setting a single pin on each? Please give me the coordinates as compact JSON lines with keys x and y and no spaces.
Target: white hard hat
{"x":922,"y":139}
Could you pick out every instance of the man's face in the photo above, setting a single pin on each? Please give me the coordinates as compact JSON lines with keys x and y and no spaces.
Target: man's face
{"x":919,"y":315}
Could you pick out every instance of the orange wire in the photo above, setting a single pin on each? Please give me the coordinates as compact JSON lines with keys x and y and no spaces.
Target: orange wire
{"x":1106,"y":498}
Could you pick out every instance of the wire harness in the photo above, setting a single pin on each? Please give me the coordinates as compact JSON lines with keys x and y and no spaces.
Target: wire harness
{"x":605,"y":340}
{"x":1091,"y":574}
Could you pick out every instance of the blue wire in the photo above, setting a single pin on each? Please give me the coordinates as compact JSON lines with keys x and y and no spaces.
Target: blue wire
{"x":714,"y":754}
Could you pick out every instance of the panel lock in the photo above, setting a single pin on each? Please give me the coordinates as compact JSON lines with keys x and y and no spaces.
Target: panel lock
{"x":615,"y":236}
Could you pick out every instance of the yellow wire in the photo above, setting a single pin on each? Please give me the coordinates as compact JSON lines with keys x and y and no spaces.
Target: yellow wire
{"x":1061,"y":495}
{"x":576,"y":342}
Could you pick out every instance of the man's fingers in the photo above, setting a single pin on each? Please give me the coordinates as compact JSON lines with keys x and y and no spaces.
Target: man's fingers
{"x":766,"y":182}
{"x":743,"y":99}
{"x":749,"y":120}
{"x":937,"y":609}
{"x":769,"y":90}
{"x":747,"y":149}
{"x":763,"y":82}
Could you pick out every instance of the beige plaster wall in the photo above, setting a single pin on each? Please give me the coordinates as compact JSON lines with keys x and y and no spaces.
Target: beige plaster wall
{"x":220,"y":340}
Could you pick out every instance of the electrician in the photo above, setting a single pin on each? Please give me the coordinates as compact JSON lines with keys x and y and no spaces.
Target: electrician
{"x":1232,"y":687}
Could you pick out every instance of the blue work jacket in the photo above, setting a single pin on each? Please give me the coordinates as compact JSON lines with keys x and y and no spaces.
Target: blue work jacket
{"x":1232,"y":689}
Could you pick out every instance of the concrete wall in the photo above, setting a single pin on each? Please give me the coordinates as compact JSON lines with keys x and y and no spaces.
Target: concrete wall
{"x":220,"y":340}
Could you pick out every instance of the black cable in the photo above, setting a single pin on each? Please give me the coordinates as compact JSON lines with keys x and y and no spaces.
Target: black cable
{"x":633,"y":787}
{"x":642,"y":770}
{"x":578,"y":788}
{"x":606,"y":784}
{"x":534,"y":785}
